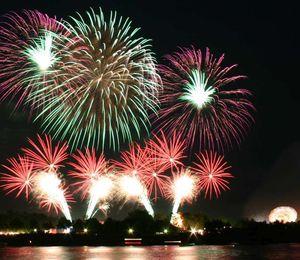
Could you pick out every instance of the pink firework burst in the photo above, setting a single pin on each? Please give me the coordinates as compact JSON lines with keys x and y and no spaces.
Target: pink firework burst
{"x":88,"y":167}
{"x":44,"y":155}
{"x":169,"y":152}
{"x":213,"y":173}
{"x":198,"y":103}
{"x":155,"y":176}
{"x":134,"y":161}
{"x":26,"y":56}
{"x":20,"y":177}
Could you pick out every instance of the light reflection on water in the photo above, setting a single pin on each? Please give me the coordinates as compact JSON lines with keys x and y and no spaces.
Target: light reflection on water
{"x":282,"y":251}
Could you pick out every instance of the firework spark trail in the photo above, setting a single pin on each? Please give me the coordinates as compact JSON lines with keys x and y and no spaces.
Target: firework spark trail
{"x":115,"y":86}
{"x":183,"y":189}
{"x":132,"y":187}
{"x":212,"y":171}
{"x":100,"y":191}
{"x":49,"y":190}
{"x":147,"y":204}
{"x":94,"y":179}
{"x":197,"y":102}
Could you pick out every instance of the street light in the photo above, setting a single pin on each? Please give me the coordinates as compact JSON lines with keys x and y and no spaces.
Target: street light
{"x":193,"y":231}
{"x":130,"y":231}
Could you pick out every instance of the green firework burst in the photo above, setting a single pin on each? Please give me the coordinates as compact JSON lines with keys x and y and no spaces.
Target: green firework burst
{"x":111,"y":87}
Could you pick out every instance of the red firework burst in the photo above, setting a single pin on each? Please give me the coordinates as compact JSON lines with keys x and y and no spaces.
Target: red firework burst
{"x":155,"y":177}
{"x":88,"y":167}
{"x":20,"y":177}
{"x":147,"y":166}
{"x":134,"y":161}
{"x":169,"y":151}
{"x":44,"y":155}
{"x":197,"y":102}
{"x":213,"y":175}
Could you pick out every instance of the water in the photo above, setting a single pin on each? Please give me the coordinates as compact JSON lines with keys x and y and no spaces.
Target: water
{"x":282,"y":251}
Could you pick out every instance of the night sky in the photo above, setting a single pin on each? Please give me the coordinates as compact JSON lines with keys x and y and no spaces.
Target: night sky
{"x":263,"y":39}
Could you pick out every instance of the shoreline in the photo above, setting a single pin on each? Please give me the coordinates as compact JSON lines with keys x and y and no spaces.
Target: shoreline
{"x":79,"y":240}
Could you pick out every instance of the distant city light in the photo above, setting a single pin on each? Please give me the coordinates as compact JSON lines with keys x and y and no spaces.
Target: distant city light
{"x":201,"y":231}
{"x":67,"y":231}
{"x":11,"y":233}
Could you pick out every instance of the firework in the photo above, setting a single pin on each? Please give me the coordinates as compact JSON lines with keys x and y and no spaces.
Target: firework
{"x":212,"y":173}
{"x":45,"y":186}
{"x":132,"y":187}
{"x":44,"y":155}
{"x":155,"y":177}
{"x":39,"y":174}
{"x":131,"y":170}
{"x":147,"y":164}
{"x":197,"y":102}
{"x":100,"y":190}
{"x":20,"y":177}
{"x":87,"y":167}
{"x":168,"y":151}
{"x":50,"y":192}
{"x":114,"y":88}
{"x":133,"y":162}
{"x":183,"y":188}
{"x":94,"y":178}
{"x":28,"y":57}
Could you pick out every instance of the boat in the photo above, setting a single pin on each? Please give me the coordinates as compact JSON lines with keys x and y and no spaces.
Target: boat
{"x":187,"y":244}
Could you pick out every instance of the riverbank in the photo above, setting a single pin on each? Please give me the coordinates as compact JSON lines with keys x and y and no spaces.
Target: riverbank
{"x":233,"y":236}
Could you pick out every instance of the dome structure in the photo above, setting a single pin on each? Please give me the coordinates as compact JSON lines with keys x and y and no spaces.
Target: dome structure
{"x":283,"y":214}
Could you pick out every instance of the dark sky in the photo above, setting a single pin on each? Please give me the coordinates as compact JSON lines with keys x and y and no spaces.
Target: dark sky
{"x":262,"y":37}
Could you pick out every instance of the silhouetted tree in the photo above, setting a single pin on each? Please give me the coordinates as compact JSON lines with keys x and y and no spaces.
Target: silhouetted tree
{"x":79,"y":225}
{"x":141,"y":222}
{"x":16,"y":224}
{"x":63,"y":223}
{"x":93,"y":225}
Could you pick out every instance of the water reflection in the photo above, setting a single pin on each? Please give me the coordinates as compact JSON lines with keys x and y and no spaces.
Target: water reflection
{"x":283,"y":251}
